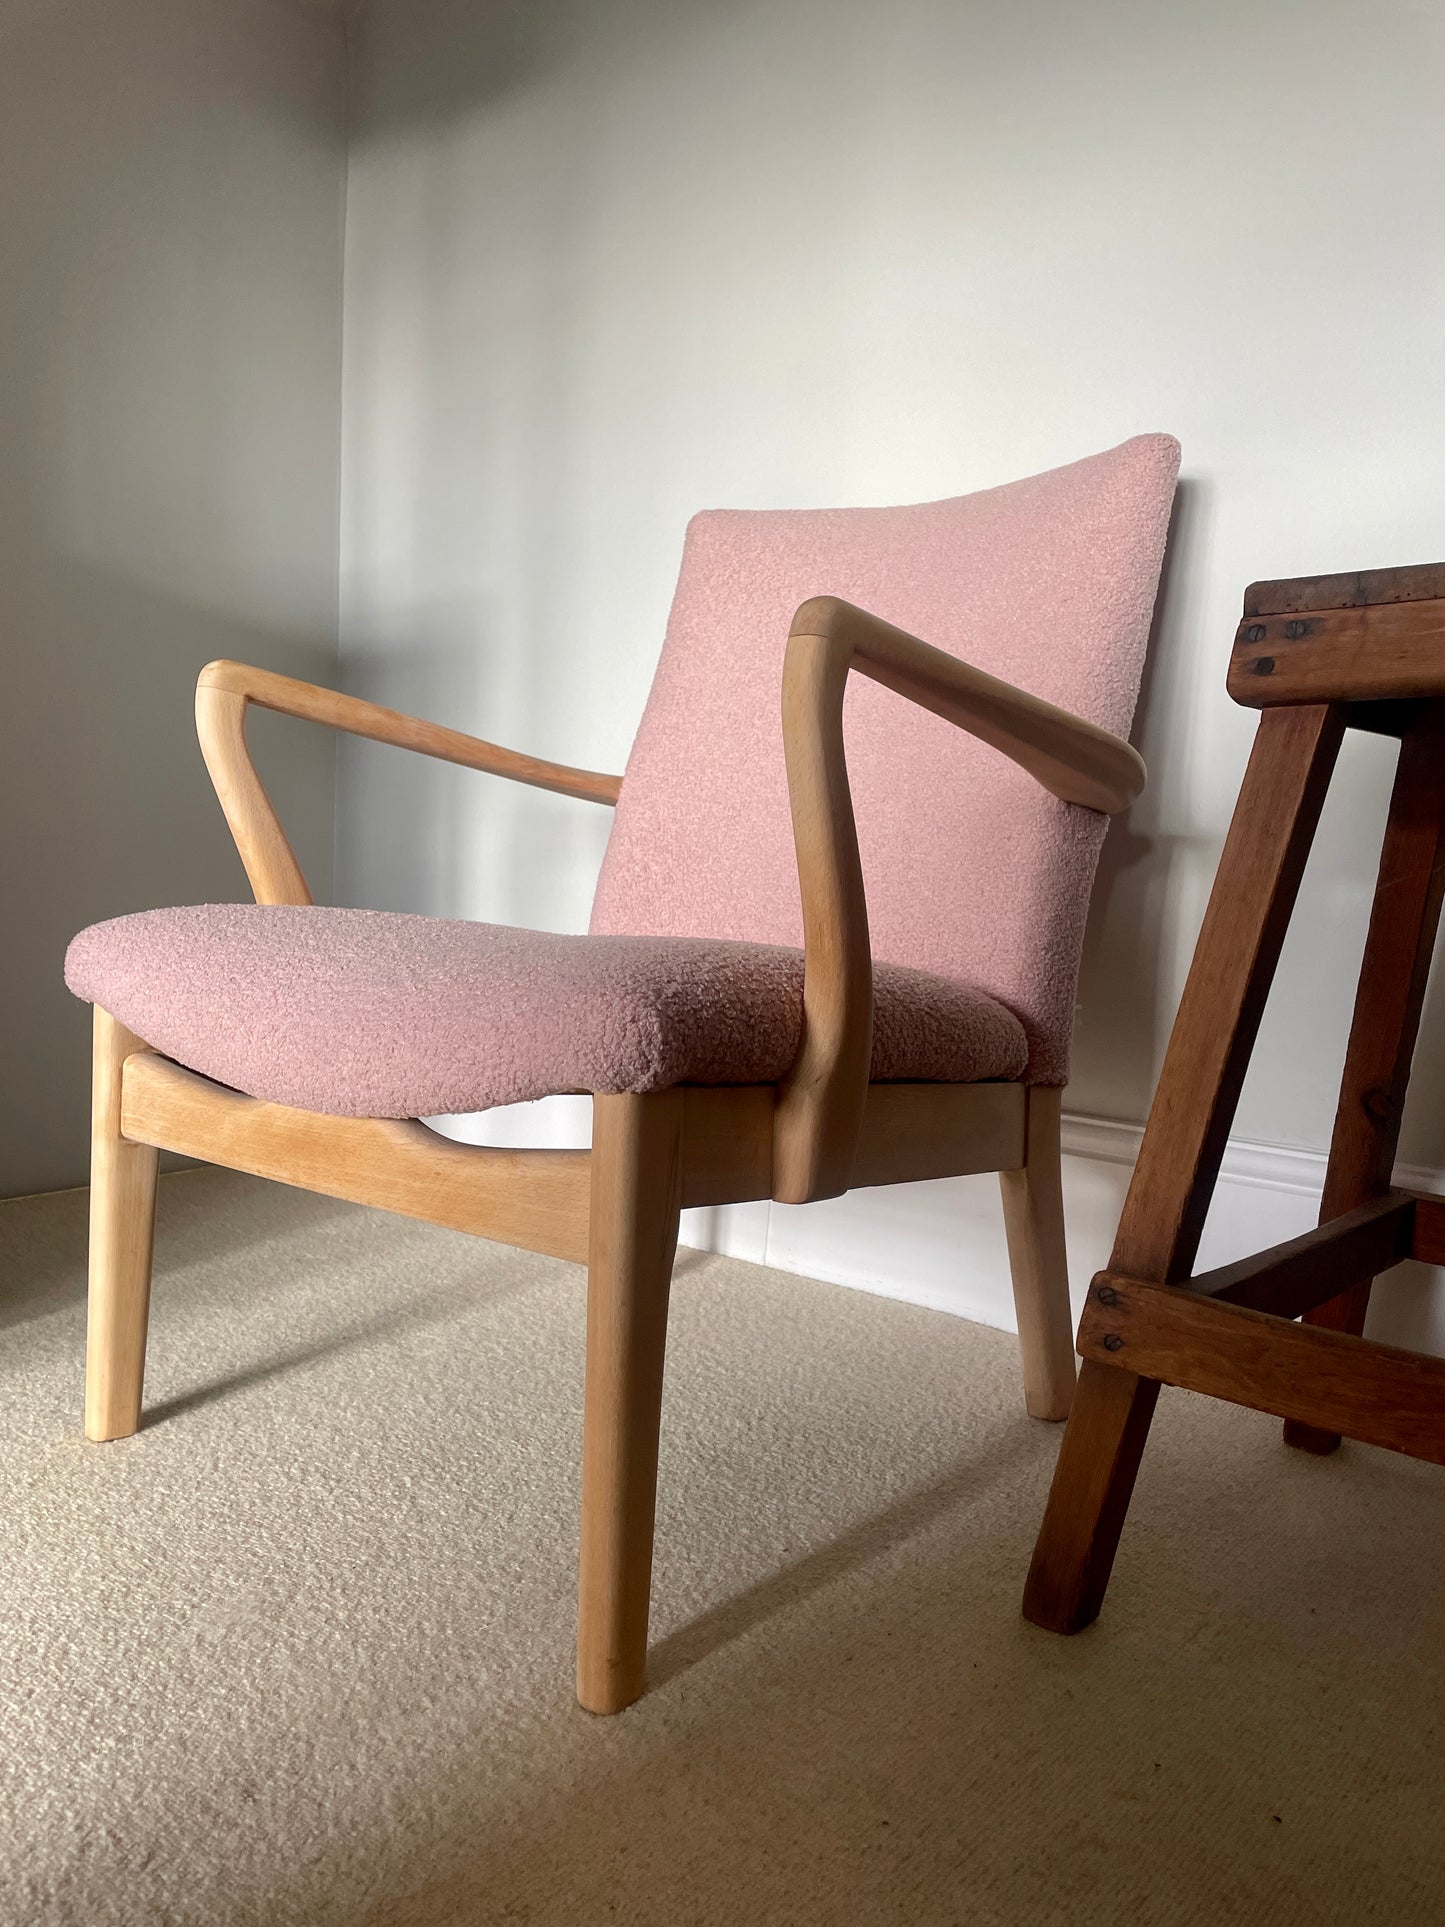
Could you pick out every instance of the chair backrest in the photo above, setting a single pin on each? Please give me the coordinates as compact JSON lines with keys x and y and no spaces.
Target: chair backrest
{"x":972,"y":871}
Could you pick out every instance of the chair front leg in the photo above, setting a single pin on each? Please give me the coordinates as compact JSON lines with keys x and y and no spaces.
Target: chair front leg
{"x":1033,"y":1215}
{"x":636,"y":1196}
{"x":122,"y":1237}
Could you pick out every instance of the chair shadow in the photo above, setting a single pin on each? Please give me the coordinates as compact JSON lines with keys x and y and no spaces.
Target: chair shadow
{"x":431,"y":1311}
{"x":44,"y":1239}
{"x":416,"y":1317}
{"x":721,"y":1625}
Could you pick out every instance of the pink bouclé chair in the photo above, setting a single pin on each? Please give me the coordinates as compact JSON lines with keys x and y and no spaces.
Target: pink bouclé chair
{"x":806,"y":971}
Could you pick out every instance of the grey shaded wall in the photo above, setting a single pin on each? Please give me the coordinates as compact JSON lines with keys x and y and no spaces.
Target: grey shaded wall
{"x":172,"y":191}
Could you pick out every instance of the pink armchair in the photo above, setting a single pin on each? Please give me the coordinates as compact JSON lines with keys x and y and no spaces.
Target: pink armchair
{"x":802,"y":975}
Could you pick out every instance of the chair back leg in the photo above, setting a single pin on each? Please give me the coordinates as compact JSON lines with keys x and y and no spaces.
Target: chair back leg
{"x":122,"y":1238}
{"x":1033,"y":1216}
{"x":636,"y":1197}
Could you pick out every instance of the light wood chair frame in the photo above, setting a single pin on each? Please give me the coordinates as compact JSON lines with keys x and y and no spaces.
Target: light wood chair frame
{"x":1317,"y":655}
{"x":823,"y":1129}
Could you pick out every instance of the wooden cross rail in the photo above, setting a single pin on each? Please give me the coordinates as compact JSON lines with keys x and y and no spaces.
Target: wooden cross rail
{"x":1292,"y":1278}
{"x":1316,"y":656}
{"x":1329,"y":1380}
{"x":1189,"y":1335}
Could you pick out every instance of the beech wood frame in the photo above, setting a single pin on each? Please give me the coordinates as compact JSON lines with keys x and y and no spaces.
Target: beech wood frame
{"x":822,"y":1130}
{"x":1316,"y":655}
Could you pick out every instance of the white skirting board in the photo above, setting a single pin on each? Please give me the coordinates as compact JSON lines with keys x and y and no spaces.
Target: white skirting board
{"x":942,"y":1244}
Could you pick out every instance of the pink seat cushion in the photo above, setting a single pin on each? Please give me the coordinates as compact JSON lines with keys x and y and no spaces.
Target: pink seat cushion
{"x":362,"y":1013}
{"x":973,"y":873}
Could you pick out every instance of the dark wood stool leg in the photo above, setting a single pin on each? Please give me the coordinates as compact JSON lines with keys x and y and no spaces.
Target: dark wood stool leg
{"x":1401,"y":941}
{"x":1234,"y":963}
{"x":1093,"y":1483}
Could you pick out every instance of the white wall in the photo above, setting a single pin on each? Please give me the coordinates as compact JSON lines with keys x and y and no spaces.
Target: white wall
{"x":610,"y":264}
{"x":172,"y":180}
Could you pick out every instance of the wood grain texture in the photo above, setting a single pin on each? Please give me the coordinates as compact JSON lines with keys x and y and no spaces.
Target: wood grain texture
{"x":265,"y":850}
{"x":122,"y":1235}
{"x":1327,"y":1379}
{"x":821,"y":1100}
{"x":908,"y":1133}
{"x":915,"y":1131}
{"x":1416,"y":582}
{"x":535,"y":1199}
{"x":1399,"y":948}
{"x":1089,"y":1498}
{"x":636,"y":1195}
{"x":223,"y":692}
{"x":1228,"y":1334}
{"x":1075,"y":760}
{"x":1184,"y":1138}
{"x":1429,"y":1240}
{"x":1033,"y":1215}
{"x":359,"y":718}
{"x":1394,"y":970}
{"x":1382,"y":651}
{"x":1224,"y":995}
{"x":1292,"y":1278}
{"x":727,"y":1143}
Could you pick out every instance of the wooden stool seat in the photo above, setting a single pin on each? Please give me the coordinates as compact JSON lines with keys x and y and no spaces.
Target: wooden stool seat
{"x":1316,"y":655}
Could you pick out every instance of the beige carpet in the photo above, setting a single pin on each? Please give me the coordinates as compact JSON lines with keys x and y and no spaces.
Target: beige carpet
{"x":301,"y":1651}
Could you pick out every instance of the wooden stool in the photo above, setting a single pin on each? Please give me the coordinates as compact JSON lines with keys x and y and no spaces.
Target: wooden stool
{"x":1317,"y":656}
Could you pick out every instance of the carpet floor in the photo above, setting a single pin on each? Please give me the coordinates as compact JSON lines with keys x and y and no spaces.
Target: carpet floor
{"x":300,"y":1652}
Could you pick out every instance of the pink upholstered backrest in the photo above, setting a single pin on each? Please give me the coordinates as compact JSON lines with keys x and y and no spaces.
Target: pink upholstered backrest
{"x":972,"y":871}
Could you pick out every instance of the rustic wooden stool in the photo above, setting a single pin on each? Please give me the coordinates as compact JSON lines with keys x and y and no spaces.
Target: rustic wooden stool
{"x":1317,"y":656}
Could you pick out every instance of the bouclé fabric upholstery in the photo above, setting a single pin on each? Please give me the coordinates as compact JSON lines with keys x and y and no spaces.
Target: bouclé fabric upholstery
{"x":973,"y":873}
{"x":978,"y":881}
{"x":364,"y":1013}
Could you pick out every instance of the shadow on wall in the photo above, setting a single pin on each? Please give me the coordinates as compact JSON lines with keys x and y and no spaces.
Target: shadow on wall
{"x":109,"y":809}
{"x":1125,"y":1009}
{"x":464,"y":473}
{"x":430,"y":838}
{"x":170,"y":223}
{"x":459,"y":57}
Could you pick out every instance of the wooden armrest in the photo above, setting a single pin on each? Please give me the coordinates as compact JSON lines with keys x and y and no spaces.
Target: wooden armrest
{"x":1074,"y":760}
{"x":224,"y":690}
{"x":820,"y":1104}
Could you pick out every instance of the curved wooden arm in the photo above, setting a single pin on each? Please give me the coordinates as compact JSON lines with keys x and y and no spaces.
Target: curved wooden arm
{"x":820,"y":1103}
{"x":222,"y":693}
